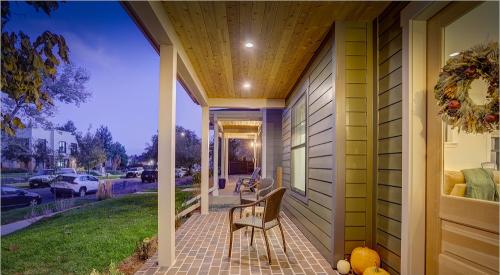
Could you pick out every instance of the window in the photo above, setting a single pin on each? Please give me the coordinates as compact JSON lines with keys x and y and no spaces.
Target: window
{"x":298,"y":154}
{"x":62,"y":146}
{"x":73,"y":148}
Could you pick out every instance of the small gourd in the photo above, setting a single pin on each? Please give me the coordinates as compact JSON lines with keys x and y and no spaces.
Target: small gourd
{"x":343,"y":267}
{"x":375,"y":270}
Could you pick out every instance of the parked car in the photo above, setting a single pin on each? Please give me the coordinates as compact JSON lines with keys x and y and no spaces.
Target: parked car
{"x":61,"y":171}
{"x":149,"y":176}
{"x":134,"y":172}
{"x":180,"y":172}
{"x":44,"y":178}
{"x":15,"y":197}
{"x":74,"y":184}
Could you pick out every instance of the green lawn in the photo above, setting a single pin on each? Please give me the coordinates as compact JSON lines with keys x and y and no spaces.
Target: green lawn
{"x":79,"y":240}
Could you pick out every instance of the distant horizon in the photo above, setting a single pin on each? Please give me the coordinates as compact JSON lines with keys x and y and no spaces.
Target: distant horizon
{"x":123,"y":67}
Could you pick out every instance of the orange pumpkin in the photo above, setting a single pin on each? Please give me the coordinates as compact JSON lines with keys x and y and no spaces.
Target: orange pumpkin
{"x":375,"y":270}
{"x":362,"y":258}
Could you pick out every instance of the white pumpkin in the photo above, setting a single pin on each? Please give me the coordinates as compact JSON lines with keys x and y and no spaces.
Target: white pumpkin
{"x":343,"y":267}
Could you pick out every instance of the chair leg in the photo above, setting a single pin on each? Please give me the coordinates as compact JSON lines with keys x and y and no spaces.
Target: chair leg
{"x":230,"y":242}
{"x":282,"y":235}
{"x":267,"y":246}
{"x":251,"y":238}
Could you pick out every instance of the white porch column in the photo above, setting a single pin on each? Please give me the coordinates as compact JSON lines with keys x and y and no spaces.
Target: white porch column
{"x":263,"y":146}
{"x":166,"y":156}
{"x":204,"y":158}
{"x":226,"y":159}
{"x":223,"y":157}
{"x":216,"y":158}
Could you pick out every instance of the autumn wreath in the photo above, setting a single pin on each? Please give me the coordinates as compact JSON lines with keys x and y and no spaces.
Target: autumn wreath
{"x":452,"y":90}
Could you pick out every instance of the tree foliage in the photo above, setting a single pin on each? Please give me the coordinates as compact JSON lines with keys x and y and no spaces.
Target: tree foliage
{"x":15,"y":150}
{"x":91,"y":151}
{"x":118,"y":155}
{"x":69,"y":126}
{"x":187,"y":148}
{"x":26,"y":63}
{"x":104,"y":135}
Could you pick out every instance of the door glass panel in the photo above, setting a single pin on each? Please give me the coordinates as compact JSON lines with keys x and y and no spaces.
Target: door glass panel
{"x":471,"y":161}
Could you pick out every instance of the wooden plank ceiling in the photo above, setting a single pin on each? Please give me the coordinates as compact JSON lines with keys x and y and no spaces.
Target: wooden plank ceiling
{"x":285,"y":36}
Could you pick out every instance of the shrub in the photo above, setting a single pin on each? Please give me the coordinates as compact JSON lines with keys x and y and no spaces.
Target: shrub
{"x":104,"y":190}
{"x":197,"y":178}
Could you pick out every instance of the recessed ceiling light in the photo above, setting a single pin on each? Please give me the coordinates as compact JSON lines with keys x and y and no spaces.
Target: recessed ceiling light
{"x":249,"y":45}
{"x":246,"y":85}
{"x":454,"y":54}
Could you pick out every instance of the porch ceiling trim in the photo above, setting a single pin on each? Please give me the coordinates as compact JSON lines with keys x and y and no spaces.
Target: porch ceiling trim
{"x":152,"y":19}
{"x":246,"y":103}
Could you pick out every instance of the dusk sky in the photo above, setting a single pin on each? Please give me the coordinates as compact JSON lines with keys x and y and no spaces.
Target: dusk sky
{"x":123,"y":67}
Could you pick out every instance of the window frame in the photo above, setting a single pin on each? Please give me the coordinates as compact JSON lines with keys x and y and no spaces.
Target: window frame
{"x":298,"y":193}
{"x":62,"y":149}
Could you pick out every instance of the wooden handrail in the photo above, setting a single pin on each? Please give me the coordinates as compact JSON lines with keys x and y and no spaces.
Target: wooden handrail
{"x":194,"y":206}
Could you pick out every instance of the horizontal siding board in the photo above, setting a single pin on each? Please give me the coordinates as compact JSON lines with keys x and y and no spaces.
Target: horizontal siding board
{"x":388,"y":209}
{"x":355,"y":76}
{"x":390,"y":258}
{"x":320,"y":138}
{"x":325,"y":89}
{"x":355,"y":90}
{"x":321,"y":186}
{"x":388,"y":241}
{"x":391,"y":112}
{"x":355,"y":147}
{"x":355,"y":176}
{"x":391,"y":64}
{"x":321,"y":108}
{"x":355,"y":48}
{"x":321,"y":126}
{"x":350,"y":245}
{"x":324,"y":64}
{"x":355,"y":62}
{"x":389,"y":193}
{"x":390,"y":177}
{"x":355,"y":119}
{"x":355,"y":133}
{"x":389,"y":49}
{"x":355,"y":190}
{"x":355,"y":104}
{"x":320,"y":174}
{"x":355,"y":219}
{"x":390,"y":129}
{"x":355,"y":204}
{"x":391,"y":96}
{"x":390,"y":81}
{"x":390,"y":161}
{"x":325,"y":162}
{"x":355,"y":233}
{"x":324,"y":149}
{"x":320,"y":198}
{"x":390,"y":145}
{"x":355,"y":162}
{"x":291,"y":205}
{"x":390,"y":226}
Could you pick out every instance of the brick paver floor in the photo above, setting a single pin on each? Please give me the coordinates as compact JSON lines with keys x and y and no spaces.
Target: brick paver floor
{"x":202,"y":244}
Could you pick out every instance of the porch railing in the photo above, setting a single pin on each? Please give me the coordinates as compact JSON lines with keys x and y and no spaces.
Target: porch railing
{"x":193,"y":203}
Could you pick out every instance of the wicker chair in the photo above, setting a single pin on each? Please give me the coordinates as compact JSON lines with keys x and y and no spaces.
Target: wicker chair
{"x":260,"y":189}
{"x":270,"y":219}
{"x":247,"y":182}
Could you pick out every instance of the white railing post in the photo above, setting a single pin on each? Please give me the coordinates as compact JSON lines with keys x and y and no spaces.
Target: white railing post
{"x":204,"y":158}
{"x":166,"y":158}
{"x":223,"y":157}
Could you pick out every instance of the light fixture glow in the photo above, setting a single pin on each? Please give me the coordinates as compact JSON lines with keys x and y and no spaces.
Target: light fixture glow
{"x":183,"y":134}
{"x":454,"y":54}
{"x":246,"y":85}
{"x":249,"y":44}
{"x":252,"y":144}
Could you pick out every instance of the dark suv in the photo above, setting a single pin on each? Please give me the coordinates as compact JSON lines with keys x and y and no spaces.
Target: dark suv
{"x":149,"y":176}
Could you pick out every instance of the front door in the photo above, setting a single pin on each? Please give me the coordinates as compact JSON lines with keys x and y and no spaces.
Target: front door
{"x":462,"y":209}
